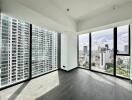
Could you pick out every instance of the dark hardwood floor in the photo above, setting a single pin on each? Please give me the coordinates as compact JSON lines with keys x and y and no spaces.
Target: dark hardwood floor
{"x":81,"y":84}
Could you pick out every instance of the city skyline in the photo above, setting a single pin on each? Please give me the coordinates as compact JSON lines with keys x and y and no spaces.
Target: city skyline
{"x":102,"y":37}
{"x":102,"y":48}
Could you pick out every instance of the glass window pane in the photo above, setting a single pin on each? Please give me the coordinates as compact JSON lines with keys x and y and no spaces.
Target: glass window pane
{"x":123,"y":40}
{"x":102,"y":51}
{"x":44,"y":50}
{"x":84,"y":51}
{"x":14,"y":50}
{"x":123,"y":66}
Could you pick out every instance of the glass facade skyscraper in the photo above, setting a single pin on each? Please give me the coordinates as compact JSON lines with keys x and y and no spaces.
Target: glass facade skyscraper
{"x":44,"y":50}
{"x":14,"y":50}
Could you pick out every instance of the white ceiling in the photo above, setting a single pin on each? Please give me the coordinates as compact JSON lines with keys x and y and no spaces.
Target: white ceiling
{"x":79,"y":9}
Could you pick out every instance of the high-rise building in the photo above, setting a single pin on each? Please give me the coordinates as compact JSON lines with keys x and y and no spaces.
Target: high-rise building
{"x":44,"y":50}
{"x":14,"y":54}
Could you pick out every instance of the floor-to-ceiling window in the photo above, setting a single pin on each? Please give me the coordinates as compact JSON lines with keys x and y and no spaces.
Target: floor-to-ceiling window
{"x":123,"y":51}
{"x":14,"y":50}
{"x":110,"y":51}
{"x":19,"y":41}
{"x":102,"y":51}
{"x":44,"y":50}
{"x":84,"y":50}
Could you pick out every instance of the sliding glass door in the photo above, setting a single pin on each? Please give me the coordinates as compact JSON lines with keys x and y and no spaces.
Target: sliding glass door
{"x":84,"y":51}
{"x":102,"y":51}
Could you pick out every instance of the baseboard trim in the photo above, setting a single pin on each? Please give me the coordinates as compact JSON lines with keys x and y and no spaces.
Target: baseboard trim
{"x":69,"y":70}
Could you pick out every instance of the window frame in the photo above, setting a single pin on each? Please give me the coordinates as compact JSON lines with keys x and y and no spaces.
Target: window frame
{"x":114,"y":53}
{"x":112,"y":74}
{"x":30,"y":56}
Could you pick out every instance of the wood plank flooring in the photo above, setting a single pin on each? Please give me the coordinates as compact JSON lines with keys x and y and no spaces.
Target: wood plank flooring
{"x":79,"y":84}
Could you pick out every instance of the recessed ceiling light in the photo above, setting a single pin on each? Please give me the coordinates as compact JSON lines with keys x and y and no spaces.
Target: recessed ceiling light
{"x":67,"y":9}
{"x":114,"y":7}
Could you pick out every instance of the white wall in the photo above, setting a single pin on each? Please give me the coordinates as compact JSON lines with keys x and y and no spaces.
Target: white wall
{"x":131,"y":53}
{"x":72,"y":50}
{"x":64,"y":51}
{"x":69,"y":51}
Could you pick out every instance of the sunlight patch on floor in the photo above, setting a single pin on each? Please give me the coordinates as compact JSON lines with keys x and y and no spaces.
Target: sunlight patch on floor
{"x":34,"y":89}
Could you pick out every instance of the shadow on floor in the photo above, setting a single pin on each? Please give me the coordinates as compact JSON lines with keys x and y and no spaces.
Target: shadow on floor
{"x":18,"y":91}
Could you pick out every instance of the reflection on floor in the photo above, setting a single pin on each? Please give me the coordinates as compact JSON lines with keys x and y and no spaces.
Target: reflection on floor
{"x":98,"y":69}
{"x":79,"y":84}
